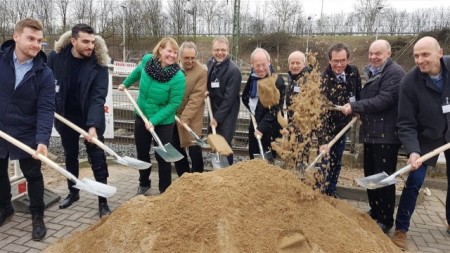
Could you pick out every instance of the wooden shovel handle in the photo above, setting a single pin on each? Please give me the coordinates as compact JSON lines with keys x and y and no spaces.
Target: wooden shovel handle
{"x":208,"y":104}
{"x":342,"y":132}
{"x":136,"y":107}
{"x":84,"y":133}
{"x":41,"y":157}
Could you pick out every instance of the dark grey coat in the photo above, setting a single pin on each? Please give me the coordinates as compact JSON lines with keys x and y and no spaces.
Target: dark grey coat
{"x":378,"y":105}
{"x":421,"y":122}
{"x":225,"y":100}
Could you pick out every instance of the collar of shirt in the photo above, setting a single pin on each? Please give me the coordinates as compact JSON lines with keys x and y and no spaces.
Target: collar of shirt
{"x":16,"y":60}
{"x":374,"y":70}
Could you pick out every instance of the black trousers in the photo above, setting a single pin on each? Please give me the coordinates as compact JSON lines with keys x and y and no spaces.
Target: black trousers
{"x":143,"y":139}
{"x":195,"y":153}
{"x":379,"y":158}
{"x":96,"y":156}
{"x":31,"y":169}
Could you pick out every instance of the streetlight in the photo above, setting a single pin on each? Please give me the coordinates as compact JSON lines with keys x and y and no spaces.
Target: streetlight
{"x":307,"y":38}
{"x":378,"y":26}
{"x":123,"y":25}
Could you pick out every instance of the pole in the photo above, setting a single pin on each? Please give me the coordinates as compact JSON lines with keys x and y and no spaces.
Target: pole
{"x":123,"y":25}
{"x":307,"y":38}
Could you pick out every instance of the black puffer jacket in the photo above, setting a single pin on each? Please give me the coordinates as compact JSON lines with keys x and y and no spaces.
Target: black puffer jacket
{"x":338,"y":94}
{"x":26,"y":112}
{"x":378,"y":104}
{"x":422,"y":125}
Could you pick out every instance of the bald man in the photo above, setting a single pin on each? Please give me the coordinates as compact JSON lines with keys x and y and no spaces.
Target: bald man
{"x":266,"y":116}
{"x":378,"y":110}
{"x":423,"y":112}
{"x":297,"y":69}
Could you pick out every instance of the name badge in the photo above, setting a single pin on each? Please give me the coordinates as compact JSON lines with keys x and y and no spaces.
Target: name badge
{"x":446,"y":109}
{"x":352,"y":99}
{"x":215,"y":84}
{"x":296,"y":89}
{"x":57,"y":88}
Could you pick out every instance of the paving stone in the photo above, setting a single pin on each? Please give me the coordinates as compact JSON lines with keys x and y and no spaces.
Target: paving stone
{"x":12,"y":247}
{"x":36,"y":245}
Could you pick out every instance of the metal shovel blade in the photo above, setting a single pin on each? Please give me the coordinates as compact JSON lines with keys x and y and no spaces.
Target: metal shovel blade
{"x":170,"y":154}
{"x":133,"y":163}
{"x":267,"y":156}
{"x":95,"y":187}
{"x":219,"y":162}
{"x":374,"y":181}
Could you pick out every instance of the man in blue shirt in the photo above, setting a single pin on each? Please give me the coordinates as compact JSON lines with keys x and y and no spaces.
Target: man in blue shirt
{"x":27,"y":106}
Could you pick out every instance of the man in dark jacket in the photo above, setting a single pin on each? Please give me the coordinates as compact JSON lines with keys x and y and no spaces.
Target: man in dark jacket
{"x":265,"y":114}
{"x":27,"y":105}
{"x":224,"y":84}
{"x":79,"y":64}
{"x":296,"y":79}
{"x":378,"y":132}
{"x":341,"y":84}
{"x":423,"y":116}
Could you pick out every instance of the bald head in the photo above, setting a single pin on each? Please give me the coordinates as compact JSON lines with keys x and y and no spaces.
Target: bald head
{"x":379,"y":52}
{"x":296,"y":62}
{"x":427,"y":55}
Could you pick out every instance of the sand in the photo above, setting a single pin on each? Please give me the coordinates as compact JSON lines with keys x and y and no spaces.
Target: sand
{"x":249,"y":207}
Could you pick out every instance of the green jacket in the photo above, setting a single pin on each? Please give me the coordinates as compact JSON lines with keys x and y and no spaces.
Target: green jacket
{"x":158,"y":101}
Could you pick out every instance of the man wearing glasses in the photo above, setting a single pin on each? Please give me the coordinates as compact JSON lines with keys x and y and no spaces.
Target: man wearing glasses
{"x":378,"y":132}
{"x":224,"y":83}
{"x":191,"y":110}
{"x":341,"y":84}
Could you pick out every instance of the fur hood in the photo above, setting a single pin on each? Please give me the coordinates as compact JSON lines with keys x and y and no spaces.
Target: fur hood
{"x":100,"y":51}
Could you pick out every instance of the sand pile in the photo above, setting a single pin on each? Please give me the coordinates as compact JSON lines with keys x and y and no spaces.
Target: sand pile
{"x":249,"y":207}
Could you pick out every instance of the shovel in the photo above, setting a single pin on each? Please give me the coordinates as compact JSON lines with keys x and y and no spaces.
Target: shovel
{"x":167,"y":151}
{"x":198,"y":141}
{"x":383,"y":179}
{"x":85,"y":184}
{"x":265,"y":156}
{"x":332,"y":142}
{"x":216,"y":141}
{"x":126,"y":160}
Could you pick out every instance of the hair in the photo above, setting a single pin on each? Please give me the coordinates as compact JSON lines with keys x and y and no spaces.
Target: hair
{"x":163,"y":44}
{"x":188,"y":44}
{"x":81,"y":28}
{"x":302,"y":56}
{"x":221,"y":38}
{"x":338,"y":47}
{"x":262,"y":50}
{"x":28,"y":23}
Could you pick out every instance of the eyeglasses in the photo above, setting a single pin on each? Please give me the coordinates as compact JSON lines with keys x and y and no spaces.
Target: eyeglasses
{"x":336,"y":62}
{"x":189,"y":58}
{"x":223,"y":50}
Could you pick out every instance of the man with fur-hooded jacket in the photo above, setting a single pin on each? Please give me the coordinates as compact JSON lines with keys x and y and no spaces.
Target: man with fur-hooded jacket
{"x":79,"y":64}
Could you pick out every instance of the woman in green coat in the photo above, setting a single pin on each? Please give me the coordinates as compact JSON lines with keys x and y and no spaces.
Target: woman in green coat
{"x":161,"y":90}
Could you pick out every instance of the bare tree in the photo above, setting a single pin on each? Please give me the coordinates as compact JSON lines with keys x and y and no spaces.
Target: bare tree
{"x":44,"y":11}
{"x":23,"y":9}
{"x":210,"y":11}
{"x":85,"y":12}
{"x":177,"y":17}
{"x":420,"y":20}
{"x":367,"y":12}
{"x":6,"y":19}
{"x":63,"y":6}
{"x":284,"y":11}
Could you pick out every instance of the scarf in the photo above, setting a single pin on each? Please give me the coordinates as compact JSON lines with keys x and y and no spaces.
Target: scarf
{"x":154,"y":70}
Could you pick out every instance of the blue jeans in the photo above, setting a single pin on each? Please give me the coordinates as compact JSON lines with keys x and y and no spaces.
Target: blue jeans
{"x":334,"y":163}
{"x":411,"y":191}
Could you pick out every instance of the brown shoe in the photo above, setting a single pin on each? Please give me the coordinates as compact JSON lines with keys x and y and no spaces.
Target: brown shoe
{"x":399,"y":239}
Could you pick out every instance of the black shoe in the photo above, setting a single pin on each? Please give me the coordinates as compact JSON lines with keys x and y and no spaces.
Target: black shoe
{"x":39,"y":229}
{"x":142,"y":190}
{"x":384,"y":227}
{"x":68,"y":201}
{"x":5,"y":214}
{"x":372,"y":215}
{"x":103,"y":209}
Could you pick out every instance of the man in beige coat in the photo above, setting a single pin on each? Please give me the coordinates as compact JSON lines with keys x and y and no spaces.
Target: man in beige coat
{"x":191,"y":110}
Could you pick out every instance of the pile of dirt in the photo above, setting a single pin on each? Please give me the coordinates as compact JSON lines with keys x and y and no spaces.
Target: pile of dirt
{"x":249,"y":207}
